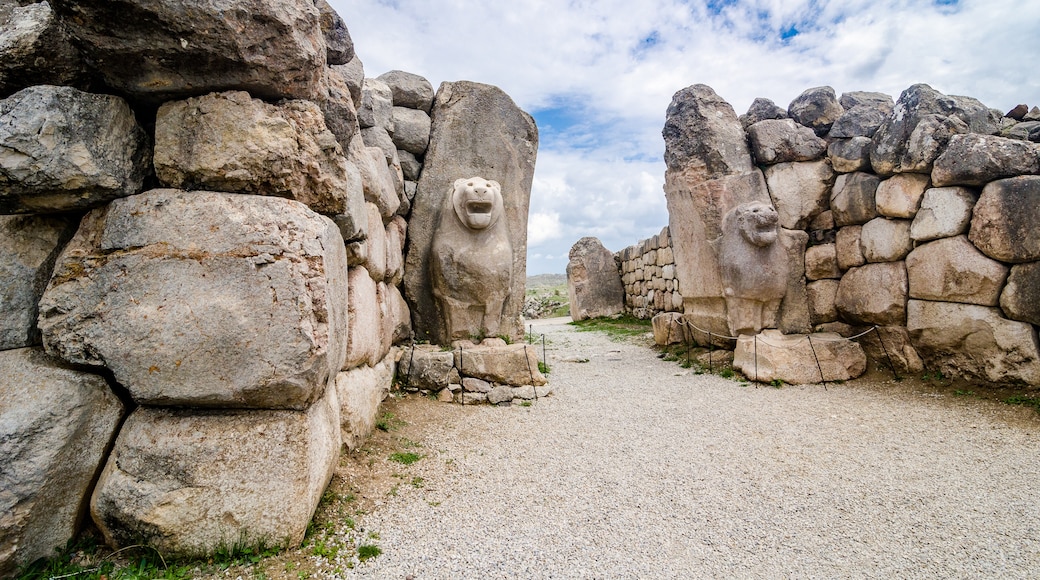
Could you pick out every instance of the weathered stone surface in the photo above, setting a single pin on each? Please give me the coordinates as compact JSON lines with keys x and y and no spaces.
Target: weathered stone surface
{"x":874,"y":294}
{"x":1032,"y":115}
{"x":186,"y":481}
{"x":1005,"y":220}
{"x":232,"y":142}
{"x":411,"y":130}
{"x":593,"y":283}
{"x":35,"y":49}
{"x":761,"y":110}
{"x":978,"y":159}
{"x":474,"y":385}
{"x":409,"y":90}
{"x":402,"y":315}
{"x":895,"y":142}
{"x":668,"y":328}
{"x":974,"y":341}
{"x":515,"y":364}
{"x":953,"y":270}
{"x":853,"y":198}
{"x":821,"y":294}
{"x":426,"y":367}
{"x":1020,"y":299}
{"x":1018,"y":112}
{"x":893,"y":347}
{"x":859,"y":121}
{"x":377,"y":104}
{"x":353,"y":74}
{"x":337,"y":105}
{"x":885,"y":240}
{"x":703,"y":137}
{"x":754,"y":267}
{"x":500,"y":394}
{"x":378,"y":138}
{"x":376,"y":258}
{"x":783,"y":140}
{"x":55,"y":426}
{"x":945,"y":212}
{"x":64,"y":150}
{"x":821,"y":262}
{"x":817,"y":108}
{"x":270,"y":48}
{"x":477,"y":131}
{"x":213,"y":286}
{"x":28,"y":247}
{"x":849,"y":155}
{"x":395,"y":240}
{"x":360,"y":392}
{"x":879,"y":101}
{"x":366,"y":322}
{"x":847,"y":247}
{"x":791,"y":359}
{"x":388,"y":324}
{"x":379,"y":181}
{"x":1026,"y":131}
{"x":800,"y":191}
{"x":339,"y":48}
{"x":900,"y":195}
{"x":411,"y":168}
{"x":353,"y":219}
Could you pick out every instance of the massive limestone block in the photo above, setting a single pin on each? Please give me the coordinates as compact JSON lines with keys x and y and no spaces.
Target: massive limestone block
{"x":270,"y":48}
{"x":1020,"y":299}
{"x":847,"y":247}
{"x":339,"y":47}
{"x":409,"y":90}
{"x":29,"y":246}
{"x":64,"y":150}
{"x":879,"y":101}
{"x":411,"y":130}
{"x":402,"y":315}
{"x":360,"y":392}
{"x":516,"y":364}
{"x":477,"y":131}
{"x":800,"y":191}
{"x":900,"y":195}
{"x":232,"y":142}
{"x":55,"y":426}
{"x":1027,"y":131}
{"x":760,"y":110}
{"x":378,"y":179}
{"x":425,"y":366}
{"x":377,"y":104}
{"x":35,"y":49}
{"x":790,"y":358}
{"x":953,"y":270}
{"x":366,"y":320}
{"x":1005,"y":220}
{"x":354,"y":75}
{"x":821,"y":262}
{"x":593,"y":282}
{"x":860,"y":120}
{"x":945,"y":212}
{"x":979,"y":159}
{"x":668,"y":328}
{"x":203,"y":299}
{"x":781,"y":141}
{"x":395,"y":234}
{"x":885,"y":240}
{"x":974,"y":341}
{"x":379,"y":138}
{"x":817,"y":108}
{"x":895,"y":143}
{"x":187,"y":482}
{"x":703,"y":138}
{"x":853,"y":198}
{"x":849,"y":155}
{"x":874,"y":294}
{"x":376,"y":262}
{"x":891,"y":346}
{"x":821,"y":294}
{"x":337,"y":105}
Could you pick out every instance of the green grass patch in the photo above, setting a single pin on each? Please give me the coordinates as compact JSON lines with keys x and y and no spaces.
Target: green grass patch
{"x":544,"y":368}
{"x":368,"y":551}
{"x":618,"y":329}
{"x":405,"y":458}
{"x":1025,"y":401}
{"x":388,"y":422}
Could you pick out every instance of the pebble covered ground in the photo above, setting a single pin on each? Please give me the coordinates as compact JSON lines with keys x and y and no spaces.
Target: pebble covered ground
{"x":637,"y":468}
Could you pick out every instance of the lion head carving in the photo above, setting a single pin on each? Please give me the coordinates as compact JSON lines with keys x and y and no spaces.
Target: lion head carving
{"x":477,"y":202}
{"x":757,"y":223}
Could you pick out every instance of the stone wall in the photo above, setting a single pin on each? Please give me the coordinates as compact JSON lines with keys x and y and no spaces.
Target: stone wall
{"x":913,"y":215}
{"x":648,"y":274}
{"x":203,"y":266}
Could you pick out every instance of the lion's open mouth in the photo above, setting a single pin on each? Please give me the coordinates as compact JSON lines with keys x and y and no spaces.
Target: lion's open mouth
{"x":479,"y":207}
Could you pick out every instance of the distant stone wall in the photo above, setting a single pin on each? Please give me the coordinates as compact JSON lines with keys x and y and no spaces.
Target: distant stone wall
{"x":648,"y":274}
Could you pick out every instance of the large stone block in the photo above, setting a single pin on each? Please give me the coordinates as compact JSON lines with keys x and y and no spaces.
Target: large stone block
{"x":515,"y":364}
{"x":29,"y":245}
{"x":477,"y":131}
{"x":861,"y":119}
{"x":900,"y":195}
{"x":187,"y":482}
{"x":409,"y":90}
{"x":703,"y":137}
{"x":55,"y":427}
{"x":203,"y":299}
{"x":817,"y":108}
{"x":35,"y":49}
{"x":593,"y":283}
{"x":800,"y":191}
{"x":821,"y":262}
{"x":762,"y":109}
{"x":849,"y":155}
{"x":978,"y":159}
{"x":1021,"y":297}
{"x":337,"y":105}
{"x":232,"y":142}
{"x":366,"y":321}
{"x":273,"y":49}
{"x":885,"y":240}
{"x":378,"y":180}
{"x":360,"y":392}
{"x":821,"y":294}
{"x":377,"y":103}
{"x":953,"y":270}
{"x":782,"y":141}
{"x":411,"y":130}
{"x":376,"y":264}
{"x":396,"y":232}
{"x":891,"y":346}
{"x":668,"y":328}
{"x":974,"y":341}
{"x":339,"y":47}
{"x":64,"y":150}
{"x":874,"y":294}
{"x":853,"y":198}
{"x":792,"y":359}
{"x":427,"y":367}
{"x":945,"y":212}
{"x":1005,"y":220}
{"x":847,"y":247}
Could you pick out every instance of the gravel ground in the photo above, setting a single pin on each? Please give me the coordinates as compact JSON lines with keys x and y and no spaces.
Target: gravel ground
{"x":636,"y":468}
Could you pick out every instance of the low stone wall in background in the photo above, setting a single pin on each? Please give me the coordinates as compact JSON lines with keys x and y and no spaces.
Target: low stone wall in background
{"x":648,"y":273}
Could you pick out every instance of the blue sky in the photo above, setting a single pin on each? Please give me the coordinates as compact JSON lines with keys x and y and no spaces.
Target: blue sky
{"x":598,"y":76}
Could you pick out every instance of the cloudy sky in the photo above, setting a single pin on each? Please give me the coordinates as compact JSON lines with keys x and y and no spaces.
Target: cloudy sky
{"x":598,"y":75}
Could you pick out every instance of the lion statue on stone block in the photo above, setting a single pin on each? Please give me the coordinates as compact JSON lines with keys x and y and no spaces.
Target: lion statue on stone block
{"x":471,"y":259}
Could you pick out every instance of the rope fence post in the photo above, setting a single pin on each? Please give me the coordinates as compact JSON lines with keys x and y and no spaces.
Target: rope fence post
{"x":462,"y":394}
{"x":890,"y":365}
{"x":822,"y":379}
{"x":756,"y":361}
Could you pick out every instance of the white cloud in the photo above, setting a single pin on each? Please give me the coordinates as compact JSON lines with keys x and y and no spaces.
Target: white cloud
{"x":543,"y":227}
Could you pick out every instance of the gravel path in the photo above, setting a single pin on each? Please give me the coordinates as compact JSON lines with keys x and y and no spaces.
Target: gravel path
{"x":635,"y":468}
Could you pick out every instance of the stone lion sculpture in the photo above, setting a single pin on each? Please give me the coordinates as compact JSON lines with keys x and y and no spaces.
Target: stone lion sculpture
{"x":471,"y":259}
{"x":753,"y":266}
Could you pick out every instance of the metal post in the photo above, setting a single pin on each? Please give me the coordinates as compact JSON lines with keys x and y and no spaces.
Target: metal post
{"x":890,"y":365}
{"x":822,"y":379}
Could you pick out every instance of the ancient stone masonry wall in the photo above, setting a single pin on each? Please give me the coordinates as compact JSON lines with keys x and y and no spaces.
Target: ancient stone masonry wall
{"x":648,"y":274}
{"x":204,"y":222}
{"x":915,"y":215}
